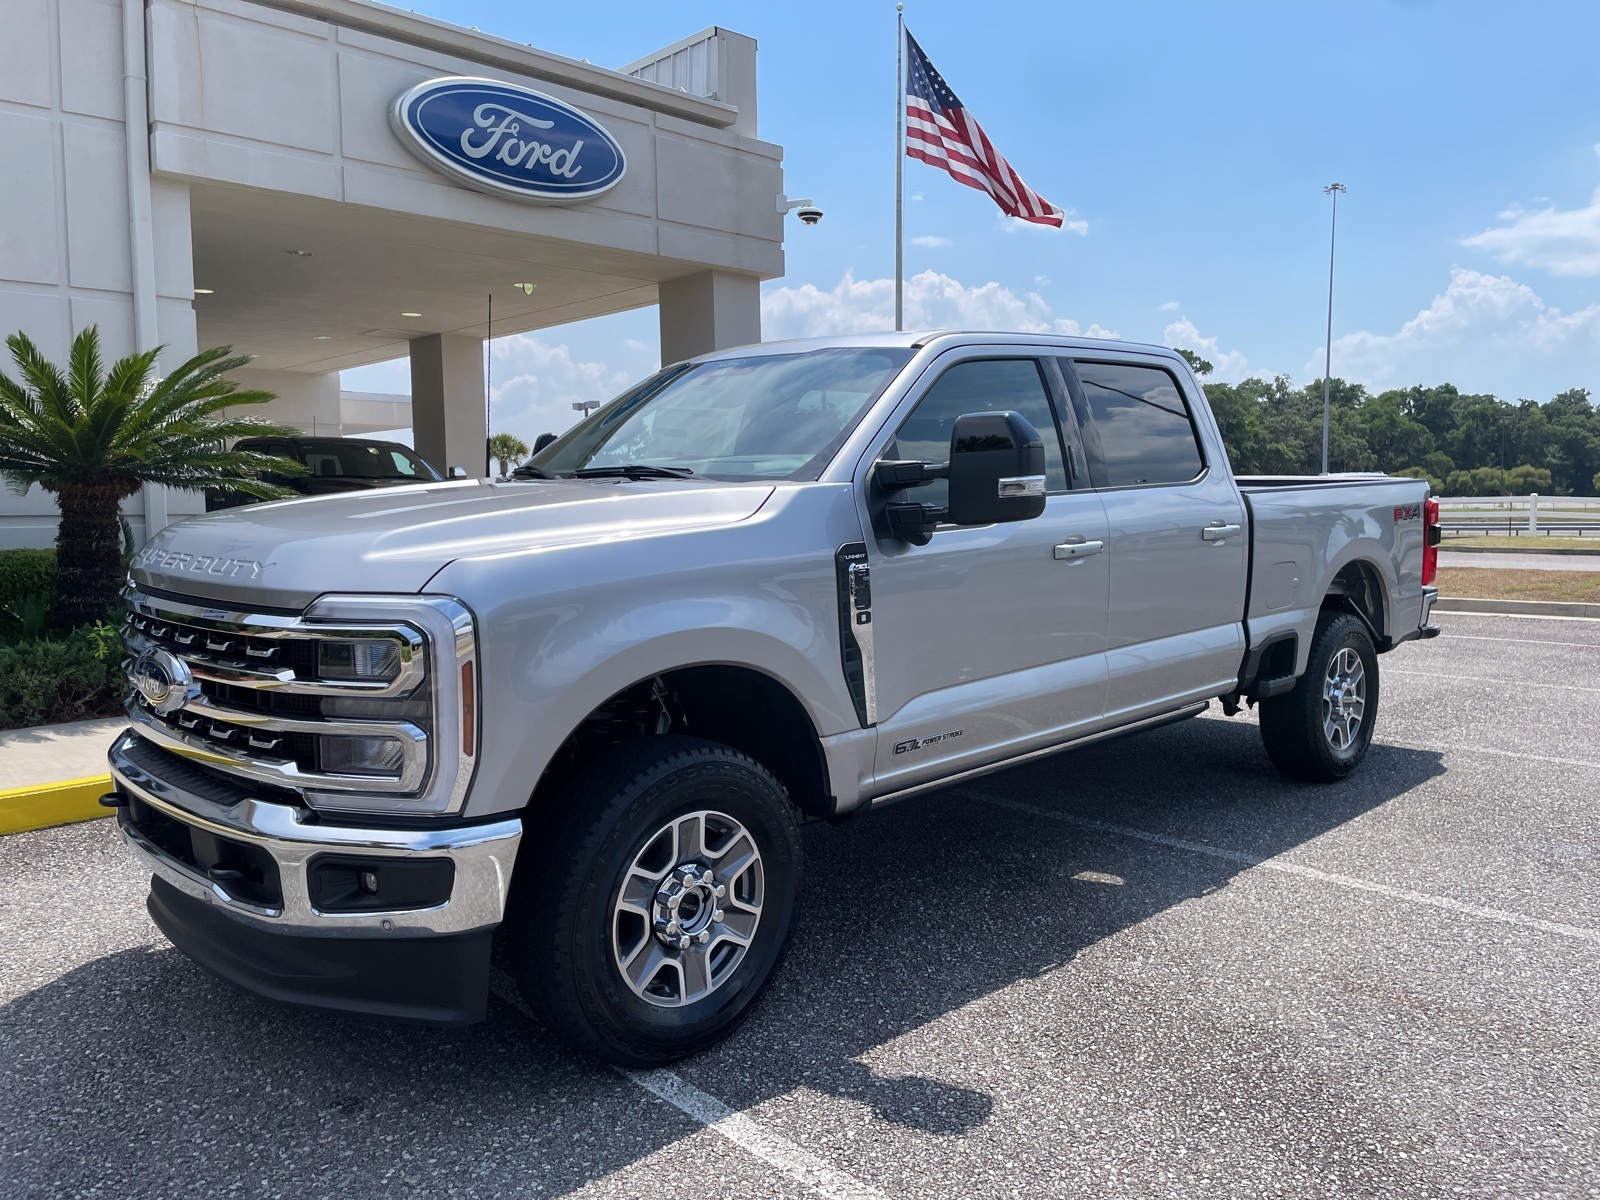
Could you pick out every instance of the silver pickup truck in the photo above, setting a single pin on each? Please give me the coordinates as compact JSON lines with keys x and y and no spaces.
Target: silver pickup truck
{"x":585,"y":711}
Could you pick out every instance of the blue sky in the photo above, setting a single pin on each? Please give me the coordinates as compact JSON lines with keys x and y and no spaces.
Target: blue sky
{"x":1190,"y":143}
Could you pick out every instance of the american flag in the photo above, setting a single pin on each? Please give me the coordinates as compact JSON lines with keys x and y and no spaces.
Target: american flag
{"x":942,"y":132}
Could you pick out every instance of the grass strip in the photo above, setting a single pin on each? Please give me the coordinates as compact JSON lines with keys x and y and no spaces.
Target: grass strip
{"x":1496,"y":583}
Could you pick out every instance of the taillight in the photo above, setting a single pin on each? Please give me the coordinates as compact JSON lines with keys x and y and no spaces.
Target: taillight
{"x":1430,"y":540}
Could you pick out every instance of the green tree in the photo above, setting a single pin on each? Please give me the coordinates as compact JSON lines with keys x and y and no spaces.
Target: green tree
{"x":92,"y":437}
{"x":1521,"y":480}
{"x":1196,"y":364}
{"x":1435,"y":484}
{"x":508,"y":450}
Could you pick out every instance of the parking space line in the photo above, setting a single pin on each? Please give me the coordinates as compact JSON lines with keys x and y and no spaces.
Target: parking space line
{"x":798,"y":1163}
{"x":1560,"y":687}
{"x":1509,"y":616}
{"x":793,"y":1160}
{"x":1478,"y":637}
{"x":1522,"y":754}
{"x":1350,"y":882}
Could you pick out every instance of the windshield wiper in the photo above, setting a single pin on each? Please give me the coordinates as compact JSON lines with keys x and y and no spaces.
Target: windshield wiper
{"x":633,"y":471}
{"x":529,"y":471}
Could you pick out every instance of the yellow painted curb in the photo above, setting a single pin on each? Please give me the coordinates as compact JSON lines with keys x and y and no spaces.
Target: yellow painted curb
{"x":48,"y":804}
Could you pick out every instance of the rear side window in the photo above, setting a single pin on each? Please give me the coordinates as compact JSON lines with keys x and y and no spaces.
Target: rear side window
{"x":1144,"y":428}
{"x":984,"y":385}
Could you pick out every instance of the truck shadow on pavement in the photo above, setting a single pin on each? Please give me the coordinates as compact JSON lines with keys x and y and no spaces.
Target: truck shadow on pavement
{"x":140,"y":1074}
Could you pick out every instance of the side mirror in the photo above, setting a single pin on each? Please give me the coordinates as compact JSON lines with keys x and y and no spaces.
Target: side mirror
{"x":996,"y":473}
{"x":996,"y":469}
{"x":458,"y":472}
{"x":543,"y":440}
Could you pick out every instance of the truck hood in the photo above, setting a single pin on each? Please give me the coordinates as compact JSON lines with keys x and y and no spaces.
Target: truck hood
{"x":285,"y":554}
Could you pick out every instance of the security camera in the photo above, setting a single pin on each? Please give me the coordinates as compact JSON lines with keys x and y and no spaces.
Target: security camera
{"x":806,"y":209}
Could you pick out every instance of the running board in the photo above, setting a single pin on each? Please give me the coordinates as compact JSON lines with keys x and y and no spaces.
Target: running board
{"x":1103,"y":735}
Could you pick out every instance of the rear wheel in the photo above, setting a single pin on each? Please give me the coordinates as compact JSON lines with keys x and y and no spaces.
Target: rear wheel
{"x":1321,"y":729}
{"x":657,"y":909}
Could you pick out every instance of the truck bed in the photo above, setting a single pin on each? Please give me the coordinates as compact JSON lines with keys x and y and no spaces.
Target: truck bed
{"x":1307,"y":533}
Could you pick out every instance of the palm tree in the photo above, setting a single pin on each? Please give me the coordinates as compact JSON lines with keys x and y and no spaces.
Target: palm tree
{"x":93,"y":437}
{"x":508,"y":450}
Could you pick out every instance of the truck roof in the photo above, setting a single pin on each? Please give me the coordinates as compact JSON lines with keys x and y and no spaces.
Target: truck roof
{"x":916,"y":339}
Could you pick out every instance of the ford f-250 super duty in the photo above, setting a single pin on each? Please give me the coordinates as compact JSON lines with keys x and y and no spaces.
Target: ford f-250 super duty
{"x":587,"y":709}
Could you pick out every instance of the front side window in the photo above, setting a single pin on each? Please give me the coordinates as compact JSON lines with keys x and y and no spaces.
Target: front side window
{"x":768,"y":416}
{"x":1143,"y":424}
{"x":983,"y":385}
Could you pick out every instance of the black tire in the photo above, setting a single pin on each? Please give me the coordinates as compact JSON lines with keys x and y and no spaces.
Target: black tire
{"x":562,"y":918}
{"x":1293,"y":725}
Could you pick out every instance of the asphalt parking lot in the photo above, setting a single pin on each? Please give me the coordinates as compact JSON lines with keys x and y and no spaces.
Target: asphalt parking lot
{"x":1148,"y":969}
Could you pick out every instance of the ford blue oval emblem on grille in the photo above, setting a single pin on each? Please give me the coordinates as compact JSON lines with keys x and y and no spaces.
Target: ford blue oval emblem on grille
{"x":163,"y":679}
{"x":508,"y":140}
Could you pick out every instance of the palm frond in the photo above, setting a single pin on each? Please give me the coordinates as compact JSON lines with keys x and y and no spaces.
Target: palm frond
{"x":85,"y":373}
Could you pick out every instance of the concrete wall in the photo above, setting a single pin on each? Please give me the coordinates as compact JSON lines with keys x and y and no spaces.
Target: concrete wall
{"x":65,"y":250}
{"x":309,"y":402}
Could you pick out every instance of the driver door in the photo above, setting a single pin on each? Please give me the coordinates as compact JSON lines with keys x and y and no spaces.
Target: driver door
{"x":989,"y":641}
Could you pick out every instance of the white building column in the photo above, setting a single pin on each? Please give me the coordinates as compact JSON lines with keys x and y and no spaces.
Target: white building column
{"x":712,"y":310}
{"x":449,"y":420}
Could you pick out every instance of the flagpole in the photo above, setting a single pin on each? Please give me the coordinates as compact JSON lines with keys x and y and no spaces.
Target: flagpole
{"x":900,"y":169}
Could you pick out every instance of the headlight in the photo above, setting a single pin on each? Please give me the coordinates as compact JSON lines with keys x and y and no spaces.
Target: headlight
{"x":382,"y":756}
{"x":376,"y":659}
{"x":421,"y":689}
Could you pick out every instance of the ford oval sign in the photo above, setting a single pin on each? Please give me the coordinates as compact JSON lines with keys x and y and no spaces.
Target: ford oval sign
{"x":508,"y":140}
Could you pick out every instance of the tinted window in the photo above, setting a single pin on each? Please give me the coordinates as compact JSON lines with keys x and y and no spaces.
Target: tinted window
{"x":988,"y":385}
{"x":1142,"y":422}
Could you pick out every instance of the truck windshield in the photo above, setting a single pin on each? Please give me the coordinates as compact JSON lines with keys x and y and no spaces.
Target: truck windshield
{"x":768,"y":416}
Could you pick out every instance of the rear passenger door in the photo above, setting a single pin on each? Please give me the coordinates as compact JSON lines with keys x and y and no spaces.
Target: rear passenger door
{"x":1177,"y":537}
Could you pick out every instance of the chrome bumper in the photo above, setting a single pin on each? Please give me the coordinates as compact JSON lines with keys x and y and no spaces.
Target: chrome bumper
{"x":483,"y":856}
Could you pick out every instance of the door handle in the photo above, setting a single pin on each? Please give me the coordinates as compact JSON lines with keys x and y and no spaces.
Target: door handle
{"x":1078,"y":548}
{"x":1217,"y":531}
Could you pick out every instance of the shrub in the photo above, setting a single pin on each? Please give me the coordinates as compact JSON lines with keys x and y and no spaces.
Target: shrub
{"x":69,"y":678}
{"x":25,"y":573}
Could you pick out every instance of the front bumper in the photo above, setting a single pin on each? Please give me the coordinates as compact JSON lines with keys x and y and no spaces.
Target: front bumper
{"x":236,"y":891}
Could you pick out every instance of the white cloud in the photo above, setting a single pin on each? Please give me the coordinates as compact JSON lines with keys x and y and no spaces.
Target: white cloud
{"x":1041,"y":281}
{"x":535,"y":383}
{"x":933,"y":301}
{"x":1563,"y":241}
{"x":916,"y":196}
{"x":1071,"y":224}
{"x":1482,"y":331}
{"x":930,"y":240}
{"x":1169,"y":306}
{"x":1228,"y":366}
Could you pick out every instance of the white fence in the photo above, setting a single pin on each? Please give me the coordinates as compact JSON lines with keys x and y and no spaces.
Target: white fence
{"x":1565,"y":516}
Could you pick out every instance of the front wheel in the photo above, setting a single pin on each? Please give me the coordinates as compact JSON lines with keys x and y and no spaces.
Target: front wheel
{"x":653,"y":915}
{"x":1321,"y":729}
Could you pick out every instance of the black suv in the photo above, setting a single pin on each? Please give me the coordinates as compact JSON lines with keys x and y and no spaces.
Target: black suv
{"x":335,"y":465}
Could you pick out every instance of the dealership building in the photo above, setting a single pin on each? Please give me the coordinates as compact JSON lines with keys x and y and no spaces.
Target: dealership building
{"x":323,"y":184}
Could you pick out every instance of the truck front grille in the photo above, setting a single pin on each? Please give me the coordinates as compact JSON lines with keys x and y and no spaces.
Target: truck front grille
{"x":244,"y":695}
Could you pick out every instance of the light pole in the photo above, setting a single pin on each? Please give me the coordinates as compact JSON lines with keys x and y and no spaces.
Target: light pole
{"x":586,"y":406}
{"x":1333,"y":189}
